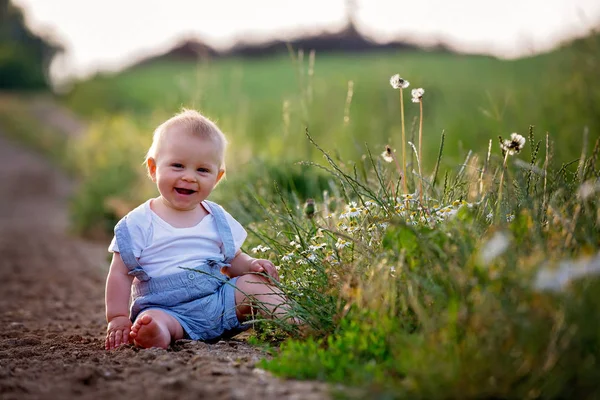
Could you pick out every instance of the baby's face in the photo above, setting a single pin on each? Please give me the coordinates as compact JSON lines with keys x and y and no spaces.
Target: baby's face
{"x":186,"y":169}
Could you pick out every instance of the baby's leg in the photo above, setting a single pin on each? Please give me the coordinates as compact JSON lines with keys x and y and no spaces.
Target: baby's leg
{"x":155,"y":328}
{"x":254,"y":289}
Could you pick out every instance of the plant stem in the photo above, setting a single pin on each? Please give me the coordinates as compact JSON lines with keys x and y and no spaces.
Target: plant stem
{"x":420,"y":154}
{"x":499,"y":205}
{"x":403,"y":143}
{"x":544,"y":198}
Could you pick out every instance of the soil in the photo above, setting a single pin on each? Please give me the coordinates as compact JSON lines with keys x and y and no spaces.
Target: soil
{"x":52,"y":322}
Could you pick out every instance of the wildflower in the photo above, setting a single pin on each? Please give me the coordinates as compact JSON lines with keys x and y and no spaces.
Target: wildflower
{"x":510,"y":217}
{"x":261,"y":249}
{"x":353,"y":211}
{"x":317,"y":247}
{"x":370,"y":204}
{"x":398,"y":83}
{"x":295,"y":244}
{"x":513,"y":145}
{"x":287,"y":257}
{"x":387,"y":154}
{"x":341,"y":243}
{"x":312,"y":257}
{"x":450,"y":213}
{"x":417,"y":95}
{"x":494,"y":247}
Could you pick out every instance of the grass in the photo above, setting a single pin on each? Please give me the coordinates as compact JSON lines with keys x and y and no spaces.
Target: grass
{"x":19,"y":123}
{"x":444,"y":300}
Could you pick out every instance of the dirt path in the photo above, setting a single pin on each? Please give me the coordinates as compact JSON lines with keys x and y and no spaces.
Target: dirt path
{"x":51,"y":313}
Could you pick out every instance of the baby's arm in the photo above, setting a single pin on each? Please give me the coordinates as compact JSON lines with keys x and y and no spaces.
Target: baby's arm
{"x":243,"y":263}
{"x":118,"y":290}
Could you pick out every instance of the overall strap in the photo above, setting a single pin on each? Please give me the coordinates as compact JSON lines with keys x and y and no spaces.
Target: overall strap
{"x":123,"y":239}
{"x":224,"y":230}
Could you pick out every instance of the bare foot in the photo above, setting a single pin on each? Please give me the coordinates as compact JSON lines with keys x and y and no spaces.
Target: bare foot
{"x":147,"y":332}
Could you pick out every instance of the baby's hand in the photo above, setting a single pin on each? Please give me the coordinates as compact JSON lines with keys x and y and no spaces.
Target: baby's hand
{"x":117,"y":332}
{"x":266,"y":266}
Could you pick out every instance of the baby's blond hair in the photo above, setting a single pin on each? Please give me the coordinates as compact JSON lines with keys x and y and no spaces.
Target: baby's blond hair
{"x":193,"y":122}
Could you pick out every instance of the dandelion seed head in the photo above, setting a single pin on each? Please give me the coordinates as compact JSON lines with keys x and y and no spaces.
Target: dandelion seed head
{"x":398,"y":83}
{"x":387,"y":154}
{"x":417,"y":95}
{"x":513,"y":145}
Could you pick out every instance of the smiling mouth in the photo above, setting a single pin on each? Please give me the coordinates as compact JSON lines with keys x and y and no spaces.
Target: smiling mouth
{"x":185,"y":191}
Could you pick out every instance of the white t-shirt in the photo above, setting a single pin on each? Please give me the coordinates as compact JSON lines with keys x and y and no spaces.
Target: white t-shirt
{"x":161,"y":248}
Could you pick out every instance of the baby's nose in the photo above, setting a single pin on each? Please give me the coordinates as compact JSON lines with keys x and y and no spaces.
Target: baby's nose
{"x":188,"y":176}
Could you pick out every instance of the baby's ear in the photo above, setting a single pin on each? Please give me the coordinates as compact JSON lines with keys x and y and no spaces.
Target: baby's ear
{"x":151,"y":164}
{"x":220,"y":175}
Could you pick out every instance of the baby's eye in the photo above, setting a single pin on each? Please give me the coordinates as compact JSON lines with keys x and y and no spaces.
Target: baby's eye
{"x":177,"y":165}
{"x":203,"y":170}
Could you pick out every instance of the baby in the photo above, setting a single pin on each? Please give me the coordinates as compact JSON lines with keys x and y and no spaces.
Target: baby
{"x":177,"y":256}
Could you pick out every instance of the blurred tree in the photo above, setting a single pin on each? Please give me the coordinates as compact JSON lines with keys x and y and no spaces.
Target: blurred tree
{"x":24,"y":56}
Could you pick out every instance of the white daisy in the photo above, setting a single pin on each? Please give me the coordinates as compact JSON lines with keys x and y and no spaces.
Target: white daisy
{"x":341,"y":243}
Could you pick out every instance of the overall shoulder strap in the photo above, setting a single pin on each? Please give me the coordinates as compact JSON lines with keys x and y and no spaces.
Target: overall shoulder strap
{"x":223,"y":229}
{"x":124,"y":243}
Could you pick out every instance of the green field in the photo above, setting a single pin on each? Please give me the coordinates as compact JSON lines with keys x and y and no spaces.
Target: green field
{"x":472,"y":98}
{"x":482,"y":285}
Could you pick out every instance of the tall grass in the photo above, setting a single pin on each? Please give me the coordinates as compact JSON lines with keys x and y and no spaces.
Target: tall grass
{"x":445,"y":301}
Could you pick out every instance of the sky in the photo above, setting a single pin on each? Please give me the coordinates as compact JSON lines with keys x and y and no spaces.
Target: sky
{"x":111,"y":34}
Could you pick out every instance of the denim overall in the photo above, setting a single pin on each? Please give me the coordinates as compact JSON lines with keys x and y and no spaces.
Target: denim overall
{"x":202,"y":299}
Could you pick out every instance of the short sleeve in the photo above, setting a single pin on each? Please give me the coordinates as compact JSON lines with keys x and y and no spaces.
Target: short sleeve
{"x":140,"y":230}
{"x":237,"y":231}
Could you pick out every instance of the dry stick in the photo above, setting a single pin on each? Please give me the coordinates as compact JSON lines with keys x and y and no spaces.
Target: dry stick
{"x":544,"y":199}
{"x":485,"y":165}
{"x":403,"y":144}
{"x":349,"y":95}
{"x":499,"y":205}
{"x":420,"y":158}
